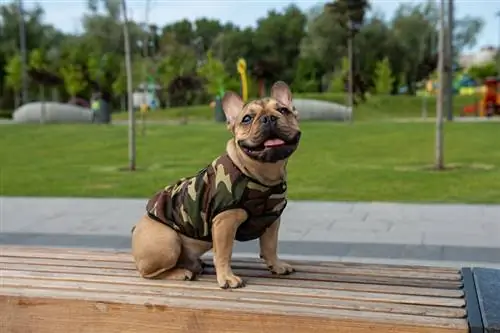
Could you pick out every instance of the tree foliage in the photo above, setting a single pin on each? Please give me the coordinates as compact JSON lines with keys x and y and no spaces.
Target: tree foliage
{"x":483,"y":71}
{"x":13,"y":69}
{"x":383,"y":77}
{"x":214,"y":73}
{"x":337,"y":82}
{"x":73,"y":79}
{"x":303,"y":48}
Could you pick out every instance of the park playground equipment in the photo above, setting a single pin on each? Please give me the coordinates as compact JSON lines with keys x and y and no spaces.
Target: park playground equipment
{"x":489,"y":103}
{"x":487,"y":95}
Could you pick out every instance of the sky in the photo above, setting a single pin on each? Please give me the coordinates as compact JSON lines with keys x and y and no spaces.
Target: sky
{"x":66,"y":14}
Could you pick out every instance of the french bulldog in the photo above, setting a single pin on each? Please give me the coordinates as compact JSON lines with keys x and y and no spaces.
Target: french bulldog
{"x":239,"y":196}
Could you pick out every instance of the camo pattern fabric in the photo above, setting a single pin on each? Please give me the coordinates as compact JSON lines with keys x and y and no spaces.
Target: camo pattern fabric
{"x":190,"y":205}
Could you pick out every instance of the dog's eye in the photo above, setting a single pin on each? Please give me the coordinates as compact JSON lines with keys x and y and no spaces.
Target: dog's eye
{"x":283,"y":110}
{"x":246,"y":119}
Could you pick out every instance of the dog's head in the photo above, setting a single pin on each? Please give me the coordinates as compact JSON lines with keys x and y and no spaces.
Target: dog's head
{"x":267,"y":129}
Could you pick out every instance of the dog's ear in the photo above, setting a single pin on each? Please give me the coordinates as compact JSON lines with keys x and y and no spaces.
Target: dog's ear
{"x":281,"y":92}
{"x":232,"y":104}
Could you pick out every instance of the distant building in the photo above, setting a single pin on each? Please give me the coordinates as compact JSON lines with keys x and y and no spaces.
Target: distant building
{"x":484,"y":55}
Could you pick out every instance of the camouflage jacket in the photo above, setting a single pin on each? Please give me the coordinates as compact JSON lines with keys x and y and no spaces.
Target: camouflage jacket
{"x":190,"y":205}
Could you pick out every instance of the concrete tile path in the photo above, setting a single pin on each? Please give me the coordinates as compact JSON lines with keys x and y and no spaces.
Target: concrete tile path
{"x":367,"y":231}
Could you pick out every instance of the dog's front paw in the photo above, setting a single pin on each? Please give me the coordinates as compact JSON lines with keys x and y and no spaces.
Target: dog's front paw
{"x":230,"y":281}
{"x":280,"y":268}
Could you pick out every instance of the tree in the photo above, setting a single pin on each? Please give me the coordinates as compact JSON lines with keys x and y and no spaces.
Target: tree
{"x":182,"y":31}
{"x":285,"y":29}
{"x":481,"y":72}
{"x":383,"y":77}
{"x":299,"y":47}
{"x":38,"y":62}
{"x":324,"y":40}
{"x":74,"y":80}
{"x":349,"y":13}
{"x":373,"y":42}
{"x":305,"y":79}
{"x":14,"y":76}
{"x":337,"y":82}
{"x":176,"y":60}
{"x":214,"y":73}
{"x":207,"y":30}
{"x":119,"y":87}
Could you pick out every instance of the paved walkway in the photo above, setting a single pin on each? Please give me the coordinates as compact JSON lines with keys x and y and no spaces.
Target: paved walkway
{"x":452,"y":233}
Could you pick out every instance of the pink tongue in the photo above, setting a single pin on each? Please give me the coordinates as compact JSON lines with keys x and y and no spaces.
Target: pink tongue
{"x":274,"y":143}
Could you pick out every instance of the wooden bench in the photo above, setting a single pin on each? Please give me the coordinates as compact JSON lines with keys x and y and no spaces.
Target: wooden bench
{"x":56,"y":290}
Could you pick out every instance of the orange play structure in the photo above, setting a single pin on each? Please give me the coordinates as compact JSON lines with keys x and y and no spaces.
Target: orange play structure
{"x":489,"y":104}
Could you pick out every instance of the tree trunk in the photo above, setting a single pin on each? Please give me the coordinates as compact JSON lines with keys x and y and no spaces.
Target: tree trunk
{"x":16,"y":99}
{"x":439,"y":163}
{"x":41,"y":97}
{"x":128,"y":69}
{"x":261,"y":88}
{"x":55,"y":95}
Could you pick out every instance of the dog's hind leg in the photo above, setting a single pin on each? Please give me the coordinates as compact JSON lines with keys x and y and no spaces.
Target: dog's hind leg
{"x":192,"y":250}
{"x":156,"y":248}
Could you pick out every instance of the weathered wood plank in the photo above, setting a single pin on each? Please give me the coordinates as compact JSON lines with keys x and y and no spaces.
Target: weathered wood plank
{"x":203,"y":279}
{"x":238,"y":264}
{"x":121,"y":256}
{"x":261,"y":295}
{"x":275,"y":291}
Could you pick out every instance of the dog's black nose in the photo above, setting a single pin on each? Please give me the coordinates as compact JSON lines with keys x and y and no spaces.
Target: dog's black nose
{"x":268,"y":119}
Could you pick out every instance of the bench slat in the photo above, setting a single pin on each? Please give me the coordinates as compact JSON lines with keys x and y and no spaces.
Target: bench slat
{"x":251,"y":295}
{"x":319,"y":285}
{"x":122,"y":256}
{"x":268,"y":291}
{"x":256,"y":274}
{"x":238,"y":264}
{"x":49,"y":290}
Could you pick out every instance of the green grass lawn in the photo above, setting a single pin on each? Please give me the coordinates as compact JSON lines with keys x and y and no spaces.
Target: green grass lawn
{"x":375,"y":108}
{"x":365,"y":161}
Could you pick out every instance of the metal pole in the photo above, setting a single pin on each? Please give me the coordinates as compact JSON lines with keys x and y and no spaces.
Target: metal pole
{"x":422,"y":49}
{"x":145,"y":68}
{"x":350,"y":56}
{"x":449,"y":61}
{"x":128,"y":69}
{"x":498,"y":46}
{"x":439,"y":163}
{"x":22,"y":42}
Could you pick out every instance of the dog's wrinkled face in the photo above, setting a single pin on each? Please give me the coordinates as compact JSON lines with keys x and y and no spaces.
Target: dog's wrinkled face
{"x":266,"y":130}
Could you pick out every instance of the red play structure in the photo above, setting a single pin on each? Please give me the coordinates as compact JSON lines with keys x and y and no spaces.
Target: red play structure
{"x":489,"y":104}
